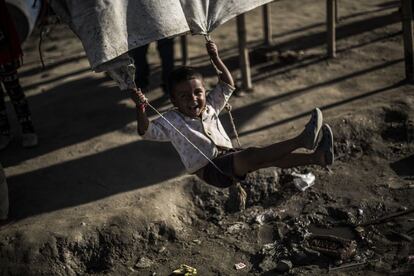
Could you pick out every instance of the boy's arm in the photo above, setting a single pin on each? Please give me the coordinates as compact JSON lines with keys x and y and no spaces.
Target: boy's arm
{"x":142,"y":120}
{"x":225,"y":75}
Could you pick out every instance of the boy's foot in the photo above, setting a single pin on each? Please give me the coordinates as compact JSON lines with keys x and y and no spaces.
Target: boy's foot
{"x":312,"y":129}
{"x":29,"y":140}
{"x":326,"y":146}
{"x":4,"y":140}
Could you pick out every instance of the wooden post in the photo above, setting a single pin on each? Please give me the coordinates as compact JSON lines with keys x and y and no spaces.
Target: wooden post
{"x":243,"y":53}
{"x":407,"y":26}
{"x":336,"y":12}
{"x":330,"y":27}
{"x":267,"y":24}
{"x":184,"y":50}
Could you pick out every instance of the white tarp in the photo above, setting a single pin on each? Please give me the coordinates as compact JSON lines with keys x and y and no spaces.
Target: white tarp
{"x":109,"y":28}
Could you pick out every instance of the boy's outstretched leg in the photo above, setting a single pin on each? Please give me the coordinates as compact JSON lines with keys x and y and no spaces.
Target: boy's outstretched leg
{"x":254,"y":158}
{"x":249,"y":159}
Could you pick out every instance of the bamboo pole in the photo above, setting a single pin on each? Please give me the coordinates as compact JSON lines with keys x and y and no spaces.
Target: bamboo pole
{"x":267,"y":24}
{"x":243,"y":53}
{"x":184,"y":50}
{"x":331,"y":27}
{"x":407,"y":26}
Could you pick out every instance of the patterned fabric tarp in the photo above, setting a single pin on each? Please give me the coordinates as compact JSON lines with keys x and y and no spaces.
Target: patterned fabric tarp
{"x":108,"y":29}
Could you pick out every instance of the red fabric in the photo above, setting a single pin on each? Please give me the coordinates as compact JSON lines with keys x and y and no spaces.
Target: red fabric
{"x":10,"y":49}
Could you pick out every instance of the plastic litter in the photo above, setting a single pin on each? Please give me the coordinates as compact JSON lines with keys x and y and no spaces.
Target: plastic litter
{"x":239,"y":266}
{"x":185,"y":270}
{"x":303,"y":181}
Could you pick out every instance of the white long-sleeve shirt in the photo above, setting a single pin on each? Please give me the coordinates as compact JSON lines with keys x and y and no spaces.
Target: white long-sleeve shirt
{"x":206,"y":132}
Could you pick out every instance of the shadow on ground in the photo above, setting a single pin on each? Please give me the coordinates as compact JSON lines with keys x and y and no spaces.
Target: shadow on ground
{"x":91,"y":178}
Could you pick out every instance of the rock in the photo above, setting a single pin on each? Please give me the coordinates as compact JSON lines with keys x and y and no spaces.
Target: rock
{"x":267,"y":216}
{"x":260,"y":185}
{"x":237,"y":227}
{"x":267,"y":264}
{"x":284,"y":266}
{"x":196,"y":241}
{"x":280,"y":230}
{"x":143,"y":262}
{"x":265,"y":234}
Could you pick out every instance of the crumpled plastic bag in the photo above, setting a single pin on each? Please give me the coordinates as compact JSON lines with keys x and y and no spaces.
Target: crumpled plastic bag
{"x":303,"y":181}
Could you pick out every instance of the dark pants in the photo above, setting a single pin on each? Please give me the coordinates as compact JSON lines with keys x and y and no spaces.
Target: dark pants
{"x":10,"y":80}
{"x":165,"y":49}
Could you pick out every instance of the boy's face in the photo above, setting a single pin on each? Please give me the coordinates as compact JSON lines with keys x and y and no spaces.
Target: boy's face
{"x":189,"y":97}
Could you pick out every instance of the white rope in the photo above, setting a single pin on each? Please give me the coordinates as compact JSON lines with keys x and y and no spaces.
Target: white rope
{"x":188,"y":140}
{"x":229,"y":107}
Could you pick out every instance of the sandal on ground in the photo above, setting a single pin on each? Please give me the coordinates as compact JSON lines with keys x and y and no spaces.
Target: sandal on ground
{"x":312,"y":129}
{"x":326,"y":145}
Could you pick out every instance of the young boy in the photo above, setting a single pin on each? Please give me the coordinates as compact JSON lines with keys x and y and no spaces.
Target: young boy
{"x":210,"y":155}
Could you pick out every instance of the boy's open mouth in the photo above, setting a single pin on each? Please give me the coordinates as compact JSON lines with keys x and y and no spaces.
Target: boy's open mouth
{"x":195,"y":107}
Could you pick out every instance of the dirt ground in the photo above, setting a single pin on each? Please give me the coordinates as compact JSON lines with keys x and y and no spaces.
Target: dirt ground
{"x":94,"y":198}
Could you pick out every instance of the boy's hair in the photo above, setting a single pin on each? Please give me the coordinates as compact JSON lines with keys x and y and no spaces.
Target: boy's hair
{"x":180,"y":74}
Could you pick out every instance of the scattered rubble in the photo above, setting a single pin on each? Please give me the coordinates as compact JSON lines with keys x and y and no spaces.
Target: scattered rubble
{"x":143,"y":262}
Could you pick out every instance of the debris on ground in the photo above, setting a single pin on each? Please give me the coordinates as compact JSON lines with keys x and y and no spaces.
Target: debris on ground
{"x":144,"y":262}
{"x":303,"y":181}
{"x":239,"y":266}
{"x":185,"y":270}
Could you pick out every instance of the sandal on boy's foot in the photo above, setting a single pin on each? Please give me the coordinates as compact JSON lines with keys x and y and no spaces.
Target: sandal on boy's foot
{"x":326,"y":145}
{"x":312,"y":129}
{"x":29,"y":140}
{"x":4,"y":140}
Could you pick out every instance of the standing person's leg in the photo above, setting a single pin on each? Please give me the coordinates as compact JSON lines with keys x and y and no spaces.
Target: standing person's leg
{"x":4,"y":196}
{"x":165,"y":49}
{"x":142,"y":69}
{"x":4,"y":121}
{"x":8,"y":75}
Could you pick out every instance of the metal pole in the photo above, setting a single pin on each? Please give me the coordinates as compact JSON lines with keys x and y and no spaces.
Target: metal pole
{"x":330,"y":26}
{"x":243,"y":53}
{"x":407,"y":26}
